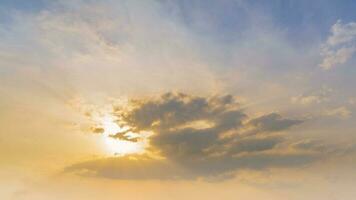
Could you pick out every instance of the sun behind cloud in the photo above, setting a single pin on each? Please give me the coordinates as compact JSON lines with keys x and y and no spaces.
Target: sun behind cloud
{"x":190,"y":137}
{"x":117,"y":139}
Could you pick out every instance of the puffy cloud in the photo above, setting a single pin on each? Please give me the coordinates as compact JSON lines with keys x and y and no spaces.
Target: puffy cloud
{"x":196,"y":137}
{"x":340,"y":46}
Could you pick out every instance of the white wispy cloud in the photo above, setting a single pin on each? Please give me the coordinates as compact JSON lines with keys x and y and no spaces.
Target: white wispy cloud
{"x":340,"y":45}
{"x":313,"y":97}
{"x":114,"y":44}
{"x":340,"y":112}
{"x":306,"y":100}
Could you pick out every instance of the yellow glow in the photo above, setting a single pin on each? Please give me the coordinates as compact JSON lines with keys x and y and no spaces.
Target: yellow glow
{"x":118,"y":146}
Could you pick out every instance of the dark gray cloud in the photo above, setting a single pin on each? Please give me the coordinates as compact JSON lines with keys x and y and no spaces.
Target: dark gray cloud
{"x":273,"y":122}
{"x":122,"y":136}
{"x":173,"y":110}
{"x":141,"y":167}
{"x":97,"y":130}
{"x":138,"y":167}
{"x":254,"y":144}
{"x":201,"y":137}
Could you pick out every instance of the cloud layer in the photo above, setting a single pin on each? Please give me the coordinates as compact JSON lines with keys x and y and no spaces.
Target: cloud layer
{"x":200,"y":137}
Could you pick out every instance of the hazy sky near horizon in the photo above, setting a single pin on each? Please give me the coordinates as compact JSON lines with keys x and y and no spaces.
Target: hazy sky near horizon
{"x":177,"y":99}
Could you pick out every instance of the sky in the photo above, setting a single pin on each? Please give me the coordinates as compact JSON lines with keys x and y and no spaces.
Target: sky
{"x":168,"y":99}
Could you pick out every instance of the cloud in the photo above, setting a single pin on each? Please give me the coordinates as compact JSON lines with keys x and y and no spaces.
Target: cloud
{"x":97,"y":129}
{"x":307,"y":100}
{"x":273,"y":122}
{"x":352,"y":101}
{"x":313,"y":97}
{"x":341,"y":112}
{"x":141,"y":167}
{"x":123,"y":136}
{"x":137,"y":167}
{"x":140,"y":41}
{"x":196,"y":137}
{"x":340,"y":46}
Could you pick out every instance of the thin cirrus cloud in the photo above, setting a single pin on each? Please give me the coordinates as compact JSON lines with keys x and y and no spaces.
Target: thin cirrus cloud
{"x":231,"y":141}
{"x":340,"y":45}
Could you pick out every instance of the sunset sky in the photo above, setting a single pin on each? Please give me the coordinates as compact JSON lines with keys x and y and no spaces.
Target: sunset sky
{"x":177,"y":99}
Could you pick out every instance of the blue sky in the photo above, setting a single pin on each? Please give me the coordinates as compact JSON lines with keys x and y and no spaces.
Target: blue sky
{"x":263,"y":42}
{"x":231,"y":16}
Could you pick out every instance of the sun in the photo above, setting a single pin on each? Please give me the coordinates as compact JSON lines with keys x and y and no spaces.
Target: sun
{"x":135,"y":144}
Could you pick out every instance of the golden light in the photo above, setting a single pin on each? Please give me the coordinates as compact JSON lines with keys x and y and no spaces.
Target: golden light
{"x":119,"y":146}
